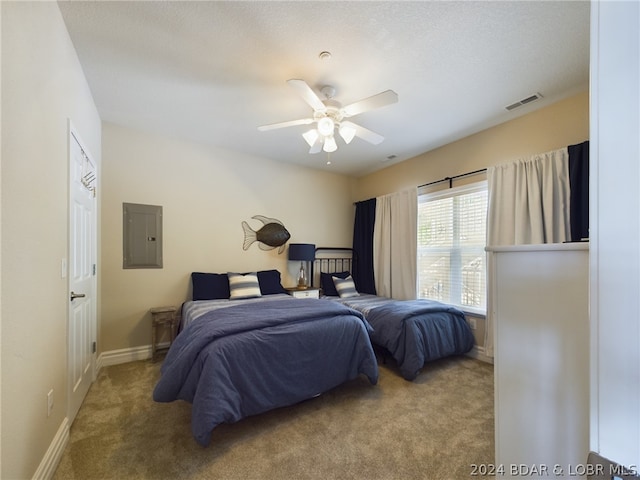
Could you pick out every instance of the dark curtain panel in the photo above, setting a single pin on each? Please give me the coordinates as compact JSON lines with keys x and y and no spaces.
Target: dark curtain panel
{"x":579,"y":182}
{"x":362,"y":269}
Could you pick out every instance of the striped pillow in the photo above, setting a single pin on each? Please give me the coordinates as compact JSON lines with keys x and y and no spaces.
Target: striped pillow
{"x":243,"y":286}
{"x":345,"y":287}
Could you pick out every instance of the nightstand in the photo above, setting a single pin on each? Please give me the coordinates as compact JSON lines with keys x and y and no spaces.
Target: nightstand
{"x":296,"y":292}
{"x":164,"y":317}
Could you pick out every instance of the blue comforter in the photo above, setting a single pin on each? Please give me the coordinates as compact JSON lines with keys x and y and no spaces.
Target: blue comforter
{"x":250,"y":358}
{"x":418,"y":331}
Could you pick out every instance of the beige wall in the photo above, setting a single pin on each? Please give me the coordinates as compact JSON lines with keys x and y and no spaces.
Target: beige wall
{"x":556,"y":126}
{"x":205,"y":194}
{"x":42,"y":86}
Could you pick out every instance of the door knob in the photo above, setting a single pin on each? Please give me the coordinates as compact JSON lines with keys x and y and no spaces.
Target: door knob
{"x":77,"y":295}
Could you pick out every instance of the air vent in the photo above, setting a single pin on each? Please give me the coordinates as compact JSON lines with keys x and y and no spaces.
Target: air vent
{"x":524,"y":101}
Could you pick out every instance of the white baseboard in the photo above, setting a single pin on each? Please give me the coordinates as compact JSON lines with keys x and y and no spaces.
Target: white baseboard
{"x":49,"y":463}
{"x":124,"y":355}
{"x":477,"y":352}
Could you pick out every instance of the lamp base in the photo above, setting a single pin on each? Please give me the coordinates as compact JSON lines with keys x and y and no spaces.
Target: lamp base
{"x":302,"y":277}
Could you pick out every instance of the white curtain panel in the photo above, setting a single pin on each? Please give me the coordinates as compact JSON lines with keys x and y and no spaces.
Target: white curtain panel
{"x":395,"y":245}
{"x":529,"y":200}
{"x":528,"y":204}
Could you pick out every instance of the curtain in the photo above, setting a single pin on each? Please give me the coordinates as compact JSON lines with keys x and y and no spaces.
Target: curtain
{"x":395,"y":245}
{"x":579,"y":181}
{"x":529,"y":200}
{"x":528,"y":204}
{"x":362,"y":268}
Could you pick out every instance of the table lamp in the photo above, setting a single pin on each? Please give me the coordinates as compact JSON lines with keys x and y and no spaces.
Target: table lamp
{"x":302,"y":252}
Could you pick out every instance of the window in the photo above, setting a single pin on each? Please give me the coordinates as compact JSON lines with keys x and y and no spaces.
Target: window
{"x":451,"y":242}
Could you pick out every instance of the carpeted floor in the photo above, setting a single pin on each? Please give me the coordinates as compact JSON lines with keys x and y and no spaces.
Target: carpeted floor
{"x":436,"y":427}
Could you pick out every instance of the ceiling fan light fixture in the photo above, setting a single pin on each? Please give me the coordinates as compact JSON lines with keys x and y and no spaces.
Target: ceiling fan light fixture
{"x":310,"y":136}
{"x":347,"y":132}
{"x":329,"y":115}
{"x":330,"y":144}
{"x":326,"y":126}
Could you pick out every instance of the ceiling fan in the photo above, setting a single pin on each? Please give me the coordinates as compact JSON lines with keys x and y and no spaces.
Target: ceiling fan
{"x":329,"y":115}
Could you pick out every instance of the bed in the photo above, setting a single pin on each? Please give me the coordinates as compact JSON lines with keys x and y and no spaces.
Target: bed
{"x":246,"y":354}
{"x":413,"y":332}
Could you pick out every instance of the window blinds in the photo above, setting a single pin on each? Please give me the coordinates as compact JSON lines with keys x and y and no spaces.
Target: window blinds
{"x":451,"y":242}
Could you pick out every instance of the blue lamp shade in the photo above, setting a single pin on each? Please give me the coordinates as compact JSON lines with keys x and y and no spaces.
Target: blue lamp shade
{"x":304,"y":252}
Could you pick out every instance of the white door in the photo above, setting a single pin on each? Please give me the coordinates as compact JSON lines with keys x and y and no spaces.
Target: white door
{"x":81,"y":271}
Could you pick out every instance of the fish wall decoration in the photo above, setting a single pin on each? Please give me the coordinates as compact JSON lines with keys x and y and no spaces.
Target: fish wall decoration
{"x":271,"y":235}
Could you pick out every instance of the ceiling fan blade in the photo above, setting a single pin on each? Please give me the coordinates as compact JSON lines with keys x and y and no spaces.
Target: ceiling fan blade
{"x":376,"y":101}
{"x":307,"y":94}
{"x":273,"y":126}
{"x":365,"y":134}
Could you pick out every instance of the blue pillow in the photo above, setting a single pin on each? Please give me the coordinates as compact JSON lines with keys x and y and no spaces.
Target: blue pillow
{"x":210,"y":286}
{"x":327,"y":285}
{"x":269,"y":281}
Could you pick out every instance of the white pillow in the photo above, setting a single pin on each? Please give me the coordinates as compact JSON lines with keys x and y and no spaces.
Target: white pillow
{"x":243,"y":286}
{"x":345,"y":287}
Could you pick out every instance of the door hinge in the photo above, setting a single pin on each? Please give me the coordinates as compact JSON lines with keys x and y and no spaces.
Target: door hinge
{"x":93,"y":347}
{"x":93,"y":269}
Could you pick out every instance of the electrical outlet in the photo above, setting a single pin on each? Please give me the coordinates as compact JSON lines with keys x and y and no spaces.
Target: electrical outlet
{"x":49,"y":402}
{"x":472,"y":322}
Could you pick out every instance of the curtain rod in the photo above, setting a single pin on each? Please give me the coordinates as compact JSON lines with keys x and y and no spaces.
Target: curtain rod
{"x":451,"y":179}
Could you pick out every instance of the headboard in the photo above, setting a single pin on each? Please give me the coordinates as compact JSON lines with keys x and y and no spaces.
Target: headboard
{"x":331,"y":260}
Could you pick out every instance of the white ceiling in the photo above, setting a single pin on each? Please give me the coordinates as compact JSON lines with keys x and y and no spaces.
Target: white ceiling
{"x":213,"y":71}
